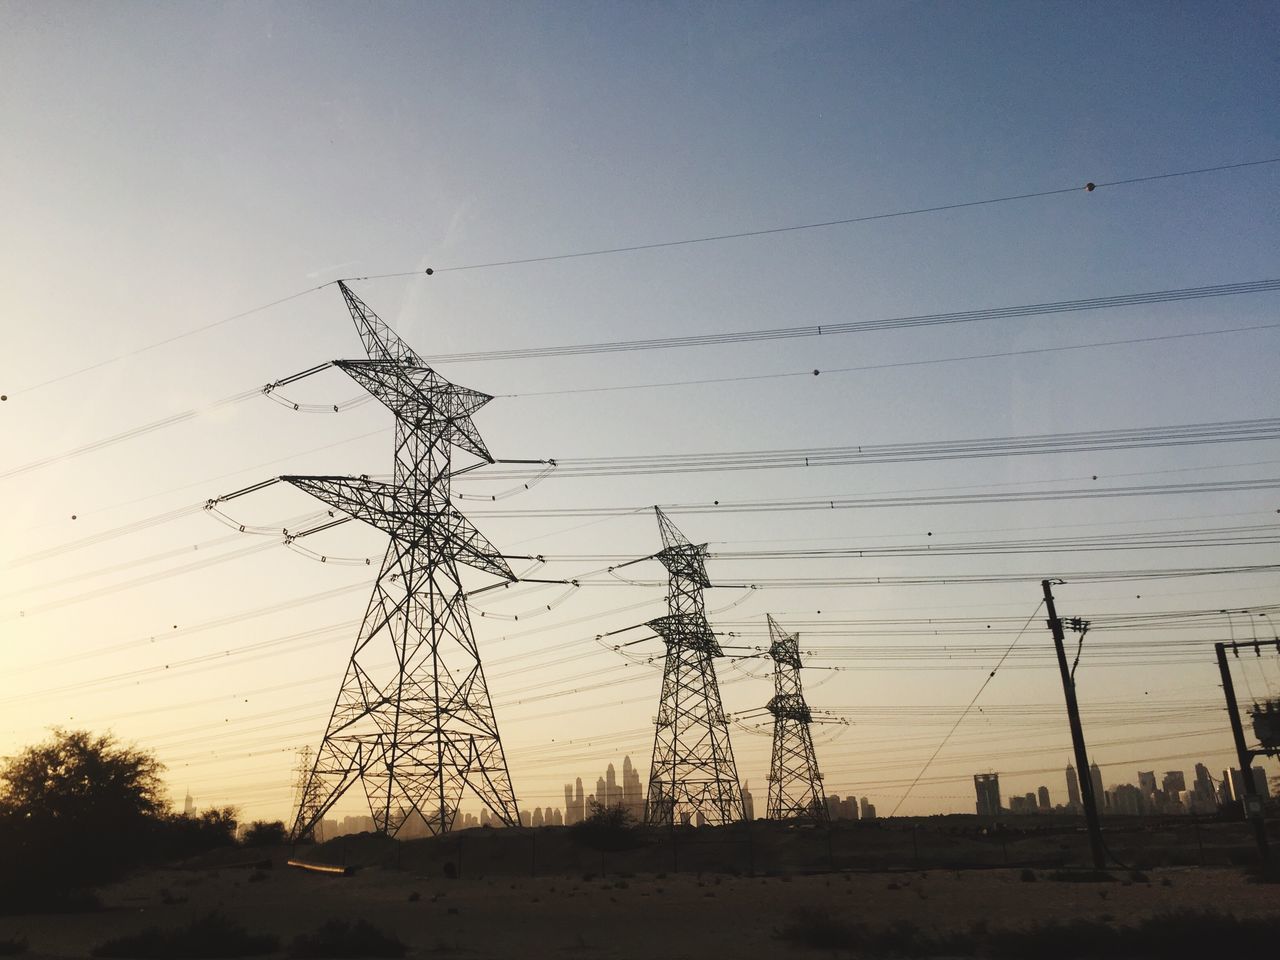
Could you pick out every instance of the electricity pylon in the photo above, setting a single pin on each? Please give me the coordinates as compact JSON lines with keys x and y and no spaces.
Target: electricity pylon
{"x":693,"y":770}
{"x":413,"y":722}
{"x":795,"y":785}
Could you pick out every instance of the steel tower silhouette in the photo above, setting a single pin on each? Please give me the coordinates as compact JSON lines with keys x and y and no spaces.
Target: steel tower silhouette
{"x":693,"y":770}
{"x":795,"y":785}
{"x":413,"y":722}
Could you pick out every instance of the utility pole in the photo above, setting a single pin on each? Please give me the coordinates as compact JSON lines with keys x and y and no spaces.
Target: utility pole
{"x":1252,"y":802}
{"x":1087,"y":798}
{"x":693,"y":768}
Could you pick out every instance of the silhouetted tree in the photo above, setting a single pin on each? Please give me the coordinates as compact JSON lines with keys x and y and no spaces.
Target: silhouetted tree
{"x":185,"y":836}
{"x":607,"y":827}
{"x":74,"y":811}
{"x":264,"y":833}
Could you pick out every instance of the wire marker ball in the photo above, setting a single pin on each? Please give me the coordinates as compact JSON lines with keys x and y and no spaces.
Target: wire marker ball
{"x":73,"y":516}
{"x":1090,"y":187}
{"x":4,"y":396}
{"x":429,"y":271}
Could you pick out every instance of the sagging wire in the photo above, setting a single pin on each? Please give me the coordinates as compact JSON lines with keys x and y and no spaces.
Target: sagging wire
{"x":750,"y":589}
{"x":271,"y":392}
{"x":533,"y":481}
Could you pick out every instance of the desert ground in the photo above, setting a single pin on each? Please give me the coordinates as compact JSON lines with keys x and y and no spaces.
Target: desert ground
{"x":506,"y":906}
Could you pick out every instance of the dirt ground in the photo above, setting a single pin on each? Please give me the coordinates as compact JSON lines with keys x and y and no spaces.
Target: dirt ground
{"x":620,"y":917}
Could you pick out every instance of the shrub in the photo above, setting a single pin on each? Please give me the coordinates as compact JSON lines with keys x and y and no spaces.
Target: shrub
{"x":264,"y":833}
{"x":213,"y":935}
{"x":339,"y":938}
{"x":607,"y":828}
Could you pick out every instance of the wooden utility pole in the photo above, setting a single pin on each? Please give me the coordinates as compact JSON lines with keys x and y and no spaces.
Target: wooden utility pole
{"x":1087,"y":797}
{"x":1252,"y":802}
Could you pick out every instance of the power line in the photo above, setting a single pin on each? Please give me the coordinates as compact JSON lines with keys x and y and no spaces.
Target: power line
{"x":793,"y":228}
{"x":890,"y":366}
{"x":965,"y":712}
{"x":868,"y":326}
{"x":629,"y":248}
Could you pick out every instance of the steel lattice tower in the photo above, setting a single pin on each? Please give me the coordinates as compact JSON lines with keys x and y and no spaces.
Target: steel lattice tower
{"x":795,"y":785}
{"x":413,"y":722}
{"x":693,"y":769}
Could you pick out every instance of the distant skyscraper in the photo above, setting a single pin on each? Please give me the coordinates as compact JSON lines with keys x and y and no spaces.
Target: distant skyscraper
{"x":557,"y":818}
{"x":579,"y":802}
{"x":1147,"y":783}
{"x":188,"y":805}
{"x":612,"y":794}
{"x":536,"y":820}
{"x":748,"y":804}
{"x":568,"y":803}
{"x":868,"y":809}
{"x":526,"y":818}
{"x":1073,"y":789}
{"x":602,"y":792}
{"x":632,"y":791}
{"x":1095,"y":778}
{"x":1175,"y":781}
{"x":987,"y":787}
{"x":1043,"y":796}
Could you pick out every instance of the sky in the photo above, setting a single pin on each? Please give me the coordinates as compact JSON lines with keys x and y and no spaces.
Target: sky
{"x":183,"y":183}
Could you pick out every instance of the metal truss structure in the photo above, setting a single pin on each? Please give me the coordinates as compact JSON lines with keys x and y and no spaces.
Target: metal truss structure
{"x":795,"y":785}
{"x":693,"y":771}
{"x":413,"y":722}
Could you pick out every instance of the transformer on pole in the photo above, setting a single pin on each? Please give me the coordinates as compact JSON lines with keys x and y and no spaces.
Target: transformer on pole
{"x":693,"y":771}
{"x":413,"y":723}
{"x":795,"y":785}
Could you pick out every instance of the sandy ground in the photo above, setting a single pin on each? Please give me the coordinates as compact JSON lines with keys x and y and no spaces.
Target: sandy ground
{"x":648,"y":916}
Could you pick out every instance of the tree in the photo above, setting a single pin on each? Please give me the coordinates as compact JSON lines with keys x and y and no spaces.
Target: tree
{"x":607,"y":828}
{"x":75,"y":810}
{"x":264,"y":833}
{"x":75,"y":778}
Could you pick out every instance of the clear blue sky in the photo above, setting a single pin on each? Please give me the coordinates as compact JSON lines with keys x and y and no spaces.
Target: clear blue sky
{"x":166,"y":167}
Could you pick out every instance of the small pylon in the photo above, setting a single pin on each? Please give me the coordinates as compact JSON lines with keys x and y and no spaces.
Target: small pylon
{"x":693,"y":771}
{"x":795,"y":785}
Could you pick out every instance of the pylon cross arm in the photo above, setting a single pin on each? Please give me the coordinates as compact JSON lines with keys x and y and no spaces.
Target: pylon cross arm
{"x":387,"y":507}
{"x":423,"y":400}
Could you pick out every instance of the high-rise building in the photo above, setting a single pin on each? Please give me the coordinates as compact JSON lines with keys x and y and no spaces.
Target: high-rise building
{"x":1174,"y":782}
{"x":849,"y":808}
{"x":579,"y":802}
{"x":557,"y":818}
{"x":748,"y":803}
{"x":632,"y":790}
{"x":526,"y":818}
{"x":602,"y":792}
{"x":1147,"y":784}
{"x":987,"y":787}
{"x":833,"y":806}
{"x":612,"y":793}
{"x":1095,"y":778}
{"x":1042,"y":795}
{"x":1126,"y":800}
{"x":568,"y":803}
{"x":868,"y":809}
{"x":536,"y":820}
{"x":188,"y":805}
{"x":1073,"y":789}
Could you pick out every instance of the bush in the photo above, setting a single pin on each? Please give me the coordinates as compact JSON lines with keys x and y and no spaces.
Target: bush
{"x":213,"y":935}
{"x":263,"y":833}
{"x":75,"y":806}
{"x":338,"y":938}
{"x":607,"y":828}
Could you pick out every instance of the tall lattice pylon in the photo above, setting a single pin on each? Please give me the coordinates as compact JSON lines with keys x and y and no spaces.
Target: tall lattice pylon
{"x":413,"y":723}
{"x":795,"y":785}
{"x":693,"y":770}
